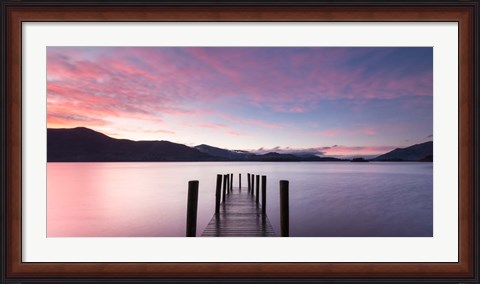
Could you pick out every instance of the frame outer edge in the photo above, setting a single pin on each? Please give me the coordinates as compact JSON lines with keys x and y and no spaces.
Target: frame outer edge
{"x":3,"y":108}
{"x":8,"y":138}
{"x":466,"y":139}
{"x":476,"y":169}
{"x":13,"y":143}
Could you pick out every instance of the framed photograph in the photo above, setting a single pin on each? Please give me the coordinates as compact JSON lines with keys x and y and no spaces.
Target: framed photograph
{"x":238,"y":141}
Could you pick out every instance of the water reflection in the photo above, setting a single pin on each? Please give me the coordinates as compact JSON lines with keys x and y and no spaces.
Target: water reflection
{"x":326,"y":199}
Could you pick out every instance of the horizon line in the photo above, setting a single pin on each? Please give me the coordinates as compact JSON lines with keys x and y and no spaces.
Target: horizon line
{"x":261,"y":150}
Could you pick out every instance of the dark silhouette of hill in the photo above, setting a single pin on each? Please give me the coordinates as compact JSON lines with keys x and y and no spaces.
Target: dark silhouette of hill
{"x":85,"y":145}
{"x":274,"y":156}
{"x":278,"y":157}
{"x":224,"y":153}
{"x":427,"y":159}
{"x":359,"y":160}
{"x":417,"y":152}
{"x":229,"y":155}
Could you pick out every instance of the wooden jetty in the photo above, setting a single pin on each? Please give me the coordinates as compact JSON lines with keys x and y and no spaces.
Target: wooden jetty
{"x":238,"y":213}
{"x":239,"y":216}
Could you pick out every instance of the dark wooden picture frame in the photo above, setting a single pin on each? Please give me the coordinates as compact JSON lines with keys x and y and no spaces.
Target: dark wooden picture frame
{"x":14,"y":13}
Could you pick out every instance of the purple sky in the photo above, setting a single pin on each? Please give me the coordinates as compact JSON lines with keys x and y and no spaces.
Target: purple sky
{"x":332,"y":101}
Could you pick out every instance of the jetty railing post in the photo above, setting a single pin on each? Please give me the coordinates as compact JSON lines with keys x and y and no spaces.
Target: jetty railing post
{"x":248,"y":181}
{"x":231,"y":182}
{"x":192,"y":205}
{"x":228,"y":183}
{"x":253,"y":183}
{"x":284,"y":210}
{"x":218,"y":194}
{"x":224,"y":187}
{"x":240,"y":182}
{"x":257,"y":190}
{"x":264,"y":195}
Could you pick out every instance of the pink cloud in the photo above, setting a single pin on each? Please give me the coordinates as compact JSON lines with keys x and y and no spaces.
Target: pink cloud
{"x":219,"y":128}
{"x":85,"y":93}
{"x":148,"y":77}
{"x":212,"y":125}
{"x":238,"y":134}
{"x":250,"y":121}
{"x":347,"y":132}
{"x":156,"y":131}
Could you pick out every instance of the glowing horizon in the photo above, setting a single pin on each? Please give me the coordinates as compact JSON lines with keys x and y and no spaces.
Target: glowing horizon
{"x":329,"y":101}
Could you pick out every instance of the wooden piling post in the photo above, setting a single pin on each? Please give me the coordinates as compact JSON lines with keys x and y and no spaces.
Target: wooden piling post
{"x":224,"y":187}
{"x":264,"y":195}
{"x":248,"y":182}
{"x":228,"y":183}
{"x":192,"y":205}
{"x":218,"y":194}
{"x":257,"y":190}
{"x":253,"y":183}
{"x":284,"y":210}
{"x":231,"y":182}
{"x":240,"y":182}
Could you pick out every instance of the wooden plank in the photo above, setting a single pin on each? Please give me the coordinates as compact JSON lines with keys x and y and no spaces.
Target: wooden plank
{"x":239,"y":216}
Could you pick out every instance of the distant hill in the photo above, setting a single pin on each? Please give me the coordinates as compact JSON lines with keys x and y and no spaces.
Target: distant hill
{"x":359,"y":160}
{"x":417,"y":152}
{"x":273,"y":156}
{"x":237,"y":155}
{"x":85,"y":145}
{"x":224,"y":153}
{"x":279,"y":157}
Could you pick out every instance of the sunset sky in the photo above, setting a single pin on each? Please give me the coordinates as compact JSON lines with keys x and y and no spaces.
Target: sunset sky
{"x":330,"y":101}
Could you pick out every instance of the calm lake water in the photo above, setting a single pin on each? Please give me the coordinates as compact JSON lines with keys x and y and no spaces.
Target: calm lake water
{"x":334,"y":199}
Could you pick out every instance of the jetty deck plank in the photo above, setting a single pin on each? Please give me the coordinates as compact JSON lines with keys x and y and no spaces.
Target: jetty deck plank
{"x":239,"y":216}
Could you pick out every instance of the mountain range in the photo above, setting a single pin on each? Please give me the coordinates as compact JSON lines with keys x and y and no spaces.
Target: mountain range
{"x":86,"y":145}
{"x":418,"y":152}
{"x":239,"y":155}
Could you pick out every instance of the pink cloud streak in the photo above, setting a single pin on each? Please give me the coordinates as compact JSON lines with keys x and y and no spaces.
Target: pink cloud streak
{"x":346,"y":132}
